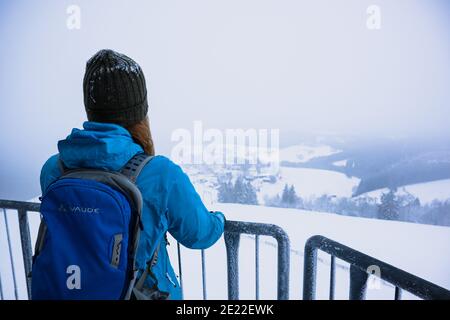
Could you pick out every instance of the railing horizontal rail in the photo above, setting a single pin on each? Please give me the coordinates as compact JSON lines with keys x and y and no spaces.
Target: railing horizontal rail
{"x":360,"y":267}
{"x":20,"y":205}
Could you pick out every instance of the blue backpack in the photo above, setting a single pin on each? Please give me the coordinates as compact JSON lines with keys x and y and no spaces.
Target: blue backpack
{"x":89,"y":234}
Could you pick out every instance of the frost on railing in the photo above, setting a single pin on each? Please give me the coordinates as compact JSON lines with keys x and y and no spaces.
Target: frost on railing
{"x":361,"y":266}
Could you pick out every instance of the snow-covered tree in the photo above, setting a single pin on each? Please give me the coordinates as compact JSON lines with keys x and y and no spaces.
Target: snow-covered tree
{"x":389,"y":206}
{"x":289,"y":197}
{"x":225,"y":192}
{"x":241,"y":192}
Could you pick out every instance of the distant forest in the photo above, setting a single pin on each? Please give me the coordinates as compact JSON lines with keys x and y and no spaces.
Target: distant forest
{"x":391,"y":206}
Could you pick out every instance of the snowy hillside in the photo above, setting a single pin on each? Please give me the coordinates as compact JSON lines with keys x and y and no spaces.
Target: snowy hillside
{"x":426,"y":192}
{"x":310,"y":182}
{"x":303,"y":153}
{"x":340,"y":163}
{"x":419,"y":249}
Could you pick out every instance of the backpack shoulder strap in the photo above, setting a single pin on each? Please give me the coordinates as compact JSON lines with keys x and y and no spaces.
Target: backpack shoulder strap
{"x":134,"y":166}
{"x":131,"y":169}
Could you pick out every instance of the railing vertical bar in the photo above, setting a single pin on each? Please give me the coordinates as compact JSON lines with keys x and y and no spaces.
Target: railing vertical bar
{"x":1,"y":288}
{"x":232,"y":240}
{"x":8,"y":237}
{"x":257,"y":267}
{"x":204,"y":275}
{"x":358,"y":283}
{"x":309,"y":273}
{"x":398,"y":293}
{"x":25,"y":239}
{"x":332,"y":277}
{"x":180,"y":272}
{"x":283,"y":265}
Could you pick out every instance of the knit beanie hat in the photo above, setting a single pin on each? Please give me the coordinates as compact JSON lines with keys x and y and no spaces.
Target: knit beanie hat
{"x":114,"y":89}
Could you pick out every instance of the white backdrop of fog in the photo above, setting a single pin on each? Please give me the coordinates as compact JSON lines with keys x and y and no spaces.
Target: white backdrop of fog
{"x":310,"y":66}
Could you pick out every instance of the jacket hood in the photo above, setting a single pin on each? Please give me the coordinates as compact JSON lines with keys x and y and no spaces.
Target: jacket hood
{"x":103,"y":146}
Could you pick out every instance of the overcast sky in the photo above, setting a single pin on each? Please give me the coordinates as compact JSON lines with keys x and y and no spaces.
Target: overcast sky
{"x":310,"y":66}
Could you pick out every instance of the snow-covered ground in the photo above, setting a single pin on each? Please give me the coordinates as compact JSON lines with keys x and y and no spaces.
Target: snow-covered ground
{"x":420,"y":249}
{"x":426,"y":191}
{"x":310,"y":182}
{"x":303,"y":153}
{"x":340,"y":163}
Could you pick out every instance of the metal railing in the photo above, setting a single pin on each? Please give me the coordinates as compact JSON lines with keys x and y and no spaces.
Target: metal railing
{"x":233,"y":230}
{"x":361,"y":266}
{"x":25,"y":239}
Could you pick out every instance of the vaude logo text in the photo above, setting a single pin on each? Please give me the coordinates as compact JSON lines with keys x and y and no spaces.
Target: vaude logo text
{"x":77,"y":209}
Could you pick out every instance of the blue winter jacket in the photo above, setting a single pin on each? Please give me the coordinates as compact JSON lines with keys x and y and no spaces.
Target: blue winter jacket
{"x":170,"y":200}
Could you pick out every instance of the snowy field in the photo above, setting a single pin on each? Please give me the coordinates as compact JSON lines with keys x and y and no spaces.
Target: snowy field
{"x":420,"y":249}
{"x":310,"y":182}
{"x":426,"y":191}
{"x":303,"y":153}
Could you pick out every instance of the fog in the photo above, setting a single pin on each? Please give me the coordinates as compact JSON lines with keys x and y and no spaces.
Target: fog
{"x":297,"y":66}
